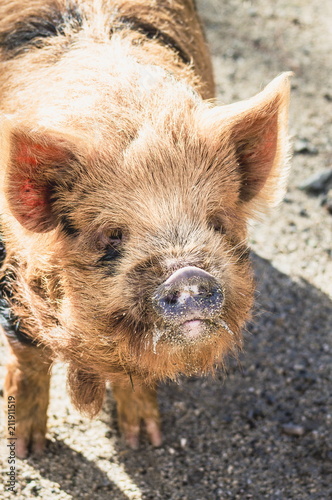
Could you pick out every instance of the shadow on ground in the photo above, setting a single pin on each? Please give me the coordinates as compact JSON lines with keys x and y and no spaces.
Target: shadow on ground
{"x":74,"y":473}
{"x":262,"y":432}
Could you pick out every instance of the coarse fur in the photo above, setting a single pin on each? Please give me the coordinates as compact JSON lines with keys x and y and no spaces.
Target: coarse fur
{"x":116,"y":171}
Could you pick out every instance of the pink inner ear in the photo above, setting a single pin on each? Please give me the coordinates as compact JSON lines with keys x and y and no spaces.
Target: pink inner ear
{"x":269,"y":145}
{"x":30,"y":196}
{"x":28,"y":156}
{"x":29,"y":180}
{"x":257,"y":158}
{"x":30,"y":153}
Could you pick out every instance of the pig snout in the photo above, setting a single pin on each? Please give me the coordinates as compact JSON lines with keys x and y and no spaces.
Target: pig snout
{"x":189,"y":295}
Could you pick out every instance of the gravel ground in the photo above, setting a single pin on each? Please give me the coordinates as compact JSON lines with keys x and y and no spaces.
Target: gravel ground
{"x":264,"y":431}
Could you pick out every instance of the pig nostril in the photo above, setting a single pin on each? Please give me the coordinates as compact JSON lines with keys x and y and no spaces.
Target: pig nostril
{"x":172,"y":298}
{"x":204,"y":291}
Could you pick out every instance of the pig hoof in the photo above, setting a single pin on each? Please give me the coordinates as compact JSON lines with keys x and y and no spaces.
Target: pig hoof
{"x":153,"y":430}
{"x":34,"y":445}
{"x":131,"y":434}
{"x":22,"y":448}
{"x":38,"y":444}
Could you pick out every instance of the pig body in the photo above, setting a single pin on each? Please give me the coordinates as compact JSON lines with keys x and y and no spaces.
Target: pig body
{"x":125,"y":199}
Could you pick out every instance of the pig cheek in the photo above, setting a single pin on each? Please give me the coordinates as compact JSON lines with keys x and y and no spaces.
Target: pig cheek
{"x":140,"y":287}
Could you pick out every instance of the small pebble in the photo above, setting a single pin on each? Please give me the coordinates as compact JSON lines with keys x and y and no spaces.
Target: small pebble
{"x":27,"y":475}
{"x":293,"y":429}
{"x":303,"y":147}
{"x":318,"y":183}
{"x":33,"y":487}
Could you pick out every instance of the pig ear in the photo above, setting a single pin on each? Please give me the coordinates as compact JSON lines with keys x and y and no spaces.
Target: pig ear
{"x":34,"y":165}
{"x":258,"y":135}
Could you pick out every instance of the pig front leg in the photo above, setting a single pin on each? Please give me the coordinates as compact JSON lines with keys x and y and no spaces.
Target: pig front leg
{"x":137,"y":404}
{"x":27,"y":387}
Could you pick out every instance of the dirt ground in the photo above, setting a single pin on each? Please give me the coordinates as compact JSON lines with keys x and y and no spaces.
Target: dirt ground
{"x":264,"y":431}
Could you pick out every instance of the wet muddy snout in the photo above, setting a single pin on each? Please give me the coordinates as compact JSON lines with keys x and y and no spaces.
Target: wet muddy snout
{"x":190,"y":293}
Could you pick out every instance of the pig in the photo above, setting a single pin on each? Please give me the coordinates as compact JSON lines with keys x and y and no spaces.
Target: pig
{"x":126,"y":192}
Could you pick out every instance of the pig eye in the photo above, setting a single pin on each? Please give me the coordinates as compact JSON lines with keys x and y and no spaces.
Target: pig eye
{"x":219,"y":229}
{"x":217,"y":226}
{"x":111,"y":245}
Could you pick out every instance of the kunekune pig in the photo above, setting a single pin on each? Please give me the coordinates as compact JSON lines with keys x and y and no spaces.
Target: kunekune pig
{"x":125,"y":197}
